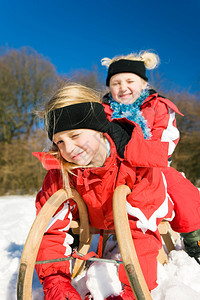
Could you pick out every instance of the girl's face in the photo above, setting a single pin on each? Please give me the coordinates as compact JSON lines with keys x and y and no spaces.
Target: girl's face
{"x":126,"y":87}
{"x":81,"y":146}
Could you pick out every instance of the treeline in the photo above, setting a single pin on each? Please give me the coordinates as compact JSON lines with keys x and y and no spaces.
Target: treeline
{"x":27,"y":79}
{"x":186,"y":157}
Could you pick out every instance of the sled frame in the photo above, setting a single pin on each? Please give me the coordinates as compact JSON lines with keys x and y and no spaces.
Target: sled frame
{"x":122,"y":231}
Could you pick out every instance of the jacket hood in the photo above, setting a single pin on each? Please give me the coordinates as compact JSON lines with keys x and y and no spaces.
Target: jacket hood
{"x":154,"y":95}
{"x":48,"y":160}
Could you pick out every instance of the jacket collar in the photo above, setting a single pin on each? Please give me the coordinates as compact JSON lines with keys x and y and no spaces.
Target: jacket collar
{"x":154,"y":95}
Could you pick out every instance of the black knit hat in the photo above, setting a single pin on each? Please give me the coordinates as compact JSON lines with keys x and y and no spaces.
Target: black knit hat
{"x":126,"y":66}
{"x":86,"y":115}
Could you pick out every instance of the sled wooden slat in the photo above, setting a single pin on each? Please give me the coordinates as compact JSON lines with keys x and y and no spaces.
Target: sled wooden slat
{"x":85,"y":238}
{"x":29,"y":254}
{"x":126,"y":246}
{"x":162,"y":256}
{"x":163,"y":228}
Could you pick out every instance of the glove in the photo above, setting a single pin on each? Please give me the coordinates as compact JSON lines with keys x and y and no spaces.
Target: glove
{"x":58,"y":287}
{"x":120,"y":137}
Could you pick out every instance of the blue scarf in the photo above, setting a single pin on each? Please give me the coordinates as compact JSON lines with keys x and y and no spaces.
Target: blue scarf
{"x":132,"y":112}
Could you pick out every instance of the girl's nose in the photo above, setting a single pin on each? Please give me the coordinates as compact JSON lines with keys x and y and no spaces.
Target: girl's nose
{"x":123,"y":86}
{"x":69,"y":147}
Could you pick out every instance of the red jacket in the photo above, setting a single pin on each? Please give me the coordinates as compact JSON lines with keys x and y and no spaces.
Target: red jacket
{"x":147,"y":204}
{"x":160,"y":115}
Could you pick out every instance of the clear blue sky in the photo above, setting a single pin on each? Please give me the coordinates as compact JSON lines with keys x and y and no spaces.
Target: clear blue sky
{"x":76,"y":34}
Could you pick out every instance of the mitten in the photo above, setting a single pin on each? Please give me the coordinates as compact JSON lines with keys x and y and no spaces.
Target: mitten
{"x":58,"y":287}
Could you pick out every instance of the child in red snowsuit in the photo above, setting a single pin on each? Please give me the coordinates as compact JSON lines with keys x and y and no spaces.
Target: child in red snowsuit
{"x":85,"y":157}
{"x":130,"y":98}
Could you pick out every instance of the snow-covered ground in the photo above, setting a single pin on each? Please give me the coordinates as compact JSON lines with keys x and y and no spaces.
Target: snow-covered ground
{"x":179,"y":279}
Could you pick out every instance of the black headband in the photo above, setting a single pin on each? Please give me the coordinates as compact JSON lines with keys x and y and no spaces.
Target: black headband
{"x":86,"y":115}
{"x":126,"y":66}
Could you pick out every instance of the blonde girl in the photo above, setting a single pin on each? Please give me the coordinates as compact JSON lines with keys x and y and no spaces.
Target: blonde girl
{"x":130,"y":97}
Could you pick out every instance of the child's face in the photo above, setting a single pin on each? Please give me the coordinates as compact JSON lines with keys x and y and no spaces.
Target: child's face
{"x":126,"y":87}
{"x":81,"y":146}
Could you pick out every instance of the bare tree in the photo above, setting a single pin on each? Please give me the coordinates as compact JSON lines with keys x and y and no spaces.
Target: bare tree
{"x":25,"y":77}
{"x":88,"y":78}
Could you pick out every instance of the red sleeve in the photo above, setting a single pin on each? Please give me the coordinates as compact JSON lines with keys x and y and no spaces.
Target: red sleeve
{"x":146,"y":153}
{"x":140,"y":152}
{"x":56,"y":240}
{"x":162,"y":121}
{"x":51,"y":184}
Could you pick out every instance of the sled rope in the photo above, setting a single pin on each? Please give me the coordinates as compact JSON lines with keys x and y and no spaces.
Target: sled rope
{"x":100,"y":248}
{"x":91,"y":256}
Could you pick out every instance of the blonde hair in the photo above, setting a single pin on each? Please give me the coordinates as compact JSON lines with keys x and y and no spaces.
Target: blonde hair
{"x":69,"y":94}
{"x":150,"y":59}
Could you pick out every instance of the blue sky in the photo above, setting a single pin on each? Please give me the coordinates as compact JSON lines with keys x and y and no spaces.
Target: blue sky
{"x":77,"y":34}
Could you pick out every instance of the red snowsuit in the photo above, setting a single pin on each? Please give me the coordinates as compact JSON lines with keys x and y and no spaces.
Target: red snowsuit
{"x":147,"y":204}
{"x":160,"y":115}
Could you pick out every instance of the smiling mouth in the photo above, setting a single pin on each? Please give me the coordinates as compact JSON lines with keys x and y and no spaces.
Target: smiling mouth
{"x":75,"y":157}
{"x":125,"y":95}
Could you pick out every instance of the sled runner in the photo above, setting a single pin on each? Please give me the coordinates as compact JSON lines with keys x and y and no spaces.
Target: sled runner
{"x":122,"y":231}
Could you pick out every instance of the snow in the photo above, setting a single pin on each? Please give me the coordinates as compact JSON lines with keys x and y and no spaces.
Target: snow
{"x":179,"y":279}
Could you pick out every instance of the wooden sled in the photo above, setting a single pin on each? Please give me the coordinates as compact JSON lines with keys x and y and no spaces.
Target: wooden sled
{"x":122,"y":231}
